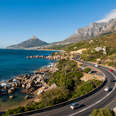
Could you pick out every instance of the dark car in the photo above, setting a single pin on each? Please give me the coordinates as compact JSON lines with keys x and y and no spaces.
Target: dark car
{"x":74,"y":106}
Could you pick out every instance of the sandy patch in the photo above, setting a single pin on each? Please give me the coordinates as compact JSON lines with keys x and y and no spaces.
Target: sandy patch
{"x":88,"y":77}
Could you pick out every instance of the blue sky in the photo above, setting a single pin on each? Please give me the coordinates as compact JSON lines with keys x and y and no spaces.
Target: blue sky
{"x":49,"y":20}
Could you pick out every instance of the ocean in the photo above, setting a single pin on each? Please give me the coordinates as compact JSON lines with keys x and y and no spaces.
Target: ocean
{"x":14,"y":62}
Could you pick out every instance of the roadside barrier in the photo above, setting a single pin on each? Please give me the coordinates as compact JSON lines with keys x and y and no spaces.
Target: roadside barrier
{"x":63,"y":103}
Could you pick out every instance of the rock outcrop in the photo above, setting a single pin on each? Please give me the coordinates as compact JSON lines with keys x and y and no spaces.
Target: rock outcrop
{"x":93,"y":30}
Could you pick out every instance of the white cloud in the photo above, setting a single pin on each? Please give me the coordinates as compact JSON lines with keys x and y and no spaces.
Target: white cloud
{"x":108,"y":17}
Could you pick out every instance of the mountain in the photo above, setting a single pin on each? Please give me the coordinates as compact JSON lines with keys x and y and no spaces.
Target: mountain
{"x":93,"y":30}
{"x":32,"y":42}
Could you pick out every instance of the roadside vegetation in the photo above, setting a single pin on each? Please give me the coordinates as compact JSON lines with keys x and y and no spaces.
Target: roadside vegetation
{"x":106,"y":42}
{"x":86,"y":70}
{"x":69,"y":86}
{"x":103,"y":112}
{"x":101,"y":49}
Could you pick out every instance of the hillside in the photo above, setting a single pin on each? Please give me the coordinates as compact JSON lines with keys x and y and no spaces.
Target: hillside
{"x":93,"y":30}
{"x":32,"y":42}
{"x":101,"y":49}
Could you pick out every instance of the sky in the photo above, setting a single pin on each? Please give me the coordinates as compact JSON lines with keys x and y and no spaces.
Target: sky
{"x":49,"y":20}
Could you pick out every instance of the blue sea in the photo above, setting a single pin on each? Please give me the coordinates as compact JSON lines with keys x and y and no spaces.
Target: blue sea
{"x":14,"y":62}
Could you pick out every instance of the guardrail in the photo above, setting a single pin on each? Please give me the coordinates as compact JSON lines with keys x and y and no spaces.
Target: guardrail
{"x":61,"y":104}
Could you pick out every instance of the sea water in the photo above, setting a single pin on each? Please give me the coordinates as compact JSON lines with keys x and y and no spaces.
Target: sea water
{"x":13,"y":63}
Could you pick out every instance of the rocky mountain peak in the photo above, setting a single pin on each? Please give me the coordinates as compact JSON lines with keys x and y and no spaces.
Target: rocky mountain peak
{"x":32,"y":42}
{"x":33,"y":37}
{"x":94,"y":29}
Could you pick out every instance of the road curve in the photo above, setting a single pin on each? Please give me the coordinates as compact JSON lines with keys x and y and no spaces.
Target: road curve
{"x":97,"y":100}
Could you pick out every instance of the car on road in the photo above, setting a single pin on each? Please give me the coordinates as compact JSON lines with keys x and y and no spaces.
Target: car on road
{"x":111,"y":70}
{"x":96,"y":65}
{"x":92,"y":72}
{"x":107,"y":89}
{"x":74,"y":106}
{"x":113,"y":80}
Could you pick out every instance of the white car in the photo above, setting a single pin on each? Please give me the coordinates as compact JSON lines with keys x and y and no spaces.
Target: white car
{"x":106,"y":89}
{"x":74,"y":106}
{"x":96,"y":65}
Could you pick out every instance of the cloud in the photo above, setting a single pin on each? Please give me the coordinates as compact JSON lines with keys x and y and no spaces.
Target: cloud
{"x":109,"y":16}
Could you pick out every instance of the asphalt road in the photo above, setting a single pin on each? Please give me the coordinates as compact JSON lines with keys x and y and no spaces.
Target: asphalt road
{"x":97,"y":100}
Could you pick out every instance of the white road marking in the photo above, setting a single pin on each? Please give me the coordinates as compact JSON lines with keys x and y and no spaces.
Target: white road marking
{"x":97,"y":101}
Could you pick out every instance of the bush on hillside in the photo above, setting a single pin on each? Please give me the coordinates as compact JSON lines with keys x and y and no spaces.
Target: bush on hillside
{"x":86,"y":70}
{"x":103,"y":112}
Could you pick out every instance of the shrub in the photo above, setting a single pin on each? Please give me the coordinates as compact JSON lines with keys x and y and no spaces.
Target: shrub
{"x":54,"y":96}
{"x":102,"y":112}
{"x":85,"y":88}
{"x":86,"y":70}
{"x":67,"y":75}
{"x":14,"y":111}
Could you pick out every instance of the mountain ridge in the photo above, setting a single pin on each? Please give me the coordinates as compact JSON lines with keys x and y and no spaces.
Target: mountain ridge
{"x":32,"y":42}
{"x":93,"y":30}
{"x":88,"y":32}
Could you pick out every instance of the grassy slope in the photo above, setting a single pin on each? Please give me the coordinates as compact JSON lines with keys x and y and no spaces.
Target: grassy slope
{"x":107,"y":40}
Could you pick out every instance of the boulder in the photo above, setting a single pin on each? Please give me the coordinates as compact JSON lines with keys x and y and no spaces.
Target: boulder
{"x":5,"y":87}
{"x":12,"y":90}
{"x":23,"y":86}
{"x":11,"y":97}
{"x":28,"y":86}
{"x":27,"y":97}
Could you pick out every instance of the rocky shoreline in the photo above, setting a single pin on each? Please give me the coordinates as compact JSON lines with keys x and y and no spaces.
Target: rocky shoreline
{"x":50,"y":57}
{"x":28,"y":83}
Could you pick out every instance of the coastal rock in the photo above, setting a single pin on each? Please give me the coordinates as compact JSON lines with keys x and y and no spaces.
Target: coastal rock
{"x":5,"y":87}
{"x":11,"y":97}
{"x":12,"y":90}
{"x":28,"y":86}
{"x":14,"y":84}
{"x":27,"y":97}
{"x":31,"y":90}
{"x":23,"y":86}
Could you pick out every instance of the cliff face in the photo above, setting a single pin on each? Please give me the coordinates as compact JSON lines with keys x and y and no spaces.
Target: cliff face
{"x":94,"y":29}
{"x":32,"y":42}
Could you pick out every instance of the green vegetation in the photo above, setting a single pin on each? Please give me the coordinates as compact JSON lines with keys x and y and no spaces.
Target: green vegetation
{"x":103,"y":112}
{"x":54,"y":96}
{"x":106,"y":41}
{"x":58,"y":47}
{"x":48,"y":98}
{"x":69,"y":86}
{"x":86,"y":70}
{"x":67,"y":76}
{"x":85,"y":88}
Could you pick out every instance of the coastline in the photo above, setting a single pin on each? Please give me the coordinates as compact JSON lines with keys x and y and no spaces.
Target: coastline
{"x":9,"y":87}
{"x":32,"y":49}
{"x":27,"y":99}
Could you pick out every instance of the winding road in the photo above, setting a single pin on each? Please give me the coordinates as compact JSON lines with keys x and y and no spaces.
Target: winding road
{"x":97,"y":100}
